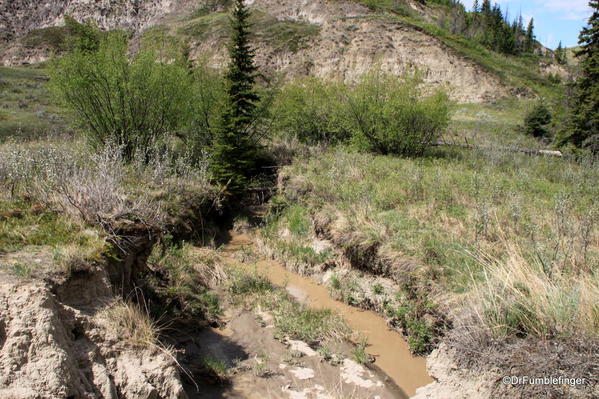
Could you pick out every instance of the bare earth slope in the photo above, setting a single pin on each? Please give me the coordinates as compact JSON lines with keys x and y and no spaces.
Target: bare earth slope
{"x":349,"y":39}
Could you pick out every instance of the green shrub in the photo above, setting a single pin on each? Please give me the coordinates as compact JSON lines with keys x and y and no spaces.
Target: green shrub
{"x":390,"y":115}
{"x":309,"y":111}
{"x":536,"y":121}
{"x":131,"y":101}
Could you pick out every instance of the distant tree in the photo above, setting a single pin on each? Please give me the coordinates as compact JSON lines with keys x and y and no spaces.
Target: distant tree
{"x":235,"y":150}
{"x":476,"y":7}
{"x":82,"y":36}
{"x":536,"y":121}
{"x":486,"y":7}
{"x":530,"y":36}
{"x":583,"y":130}
{"x":560,"y":54}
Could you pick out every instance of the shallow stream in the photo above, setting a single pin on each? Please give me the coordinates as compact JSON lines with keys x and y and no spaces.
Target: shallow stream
{"x":387,"y":346}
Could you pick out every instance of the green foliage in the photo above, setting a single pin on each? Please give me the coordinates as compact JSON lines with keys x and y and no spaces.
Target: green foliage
{"x":185,"y":294}
{"x":560,"y":54}
{"x":215,"y":368}
{"x":22,"y":225}
{"x":208,"y":102}
{"x":536,"y":121}
{"x":414,"y":305}
{"x":83,"y":37}
{"x":309,"y":110}
{"x":245,"y":284}
{"x":236,"y":151}
{"x":388,"y":115}
{"x":583,"y":128}
{"x":132,"y":102}
{"x":73,"y":35}
{"x":381,"y":113}
{"x":359,"y":352}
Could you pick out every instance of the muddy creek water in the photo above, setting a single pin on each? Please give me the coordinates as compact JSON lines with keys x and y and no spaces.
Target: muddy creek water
{"x":387,"y":346}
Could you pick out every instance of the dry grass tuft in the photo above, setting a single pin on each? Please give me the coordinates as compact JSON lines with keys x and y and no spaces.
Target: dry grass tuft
{"x":132,"y":324}
{"x":526,"y":297}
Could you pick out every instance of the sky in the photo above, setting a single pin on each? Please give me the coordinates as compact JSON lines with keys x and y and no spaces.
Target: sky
{"x":554,"y":20}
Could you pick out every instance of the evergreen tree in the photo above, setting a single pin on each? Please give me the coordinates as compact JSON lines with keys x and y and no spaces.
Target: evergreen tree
{"x":530,"y":36}
{"x":536,"y":121}
{"x":486,"y":8}
{"x":584,"y":127}
{"x":560,"y":54}
{"x":235,"y":151}
{"x":475,"y":7}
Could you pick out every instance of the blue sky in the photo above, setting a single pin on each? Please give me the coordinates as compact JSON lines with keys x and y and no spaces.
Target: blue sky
{"x":555,"y":20}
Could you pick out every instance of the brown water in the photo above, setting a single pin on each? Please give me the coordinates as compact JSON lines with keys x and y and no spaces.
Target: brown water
{"x":387,"y":346}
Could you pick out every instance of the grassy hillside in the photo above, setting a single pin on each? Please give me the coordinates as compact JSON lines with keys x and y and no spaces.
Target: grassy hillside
{"x":28,"y":110}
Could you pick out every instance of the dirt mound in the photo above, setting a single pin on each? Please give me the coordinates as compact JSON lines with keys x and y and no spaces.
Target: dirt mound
{"x":54,"y":349}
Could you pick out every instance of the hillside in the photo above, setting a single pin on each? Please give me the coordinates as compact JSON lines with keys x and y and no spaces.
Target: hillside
{"x":332,"y":39}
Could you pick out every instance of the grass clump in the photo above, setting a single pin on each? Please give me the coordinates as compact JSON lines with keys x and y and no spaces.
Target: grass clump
{"x":523,"y":297}
{"x":131,"y":323}
{"x":183,"y":291}
{"x":215,"y":368}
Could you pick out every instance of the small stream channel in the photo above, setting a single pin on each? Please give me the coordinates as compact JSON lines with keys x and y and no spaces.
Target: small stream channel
{"x":387,"y":346}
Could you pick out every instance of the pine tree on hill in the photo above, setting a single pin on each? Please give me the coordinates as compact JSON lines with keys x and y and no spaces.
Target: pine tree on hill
{"x":530,"y":36}
{"x":235,"y":151}
{"x":560,"y":54}
{"x":584,"y":129}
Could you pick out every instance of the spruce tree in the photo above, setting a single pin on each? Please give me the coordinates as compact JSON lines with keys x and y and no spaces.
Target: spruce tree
{"x":560,"y":54}
{"x":530,"y":36}
{"x":475,"y":7}
{"x":584,"y":129}
{"x":235,"y":151}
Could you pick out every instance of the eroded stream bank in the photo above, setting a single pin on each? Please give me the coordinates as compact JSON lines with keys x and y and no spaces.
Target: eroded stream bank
{"x":388,"y":348}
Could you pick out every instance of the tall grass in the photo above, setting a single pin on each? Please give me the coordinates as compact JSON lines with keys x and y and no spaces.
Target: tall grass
{"x":519,"y":296}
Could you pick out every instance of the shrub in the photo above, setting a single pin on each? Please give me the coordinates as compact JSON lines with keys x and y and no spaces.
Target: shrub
{"x":536,"y":121}
{"x":132,"y":102}
{"x":209,"y":99}
{"x":390,"y":115}
{"x":308,"y":110}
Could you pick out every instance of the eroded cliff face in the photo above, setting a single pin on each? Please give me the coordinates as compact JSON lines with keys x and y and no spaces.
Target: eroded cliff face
{"x":350,"y":40}
{"x":18,"y":17}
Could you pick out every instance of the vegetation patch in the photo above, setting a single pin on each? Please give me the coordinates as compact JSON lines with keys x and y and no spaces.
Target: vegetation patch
{"x":291,"y":319}
{"x":179,"y":281}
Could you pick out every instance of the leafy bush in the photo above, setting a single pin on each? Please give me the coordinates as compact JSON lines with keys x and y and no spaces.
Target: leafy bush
{"x":536,"y":121}
{"x":309,"y":111}
{"x":383,"y":113}
{"x":131,"y":102}
{"x":390,"y":115}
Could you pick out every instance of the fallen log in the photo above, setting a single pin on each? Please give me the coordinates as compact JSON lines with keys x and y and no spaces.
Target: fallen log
{"x":508,"y":149}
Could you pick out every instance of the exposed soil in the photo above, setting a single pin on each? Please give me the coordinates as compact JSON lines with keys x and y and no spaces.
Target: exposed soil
{"x":54,"y":345}
{"x":388,"y":348}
